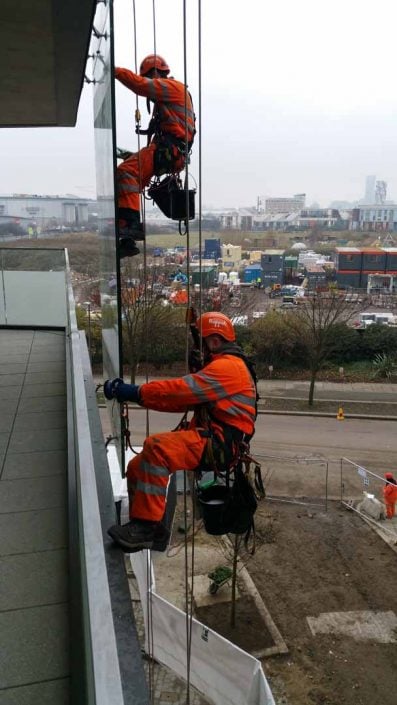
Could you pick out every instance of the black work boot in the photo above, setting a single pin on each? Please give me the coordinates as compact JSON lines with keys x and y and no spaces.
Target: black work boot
{"x":127,"y":247}
{"x":130,"y":224}
{"x":138,"y":534}
{"x":130,"y":229}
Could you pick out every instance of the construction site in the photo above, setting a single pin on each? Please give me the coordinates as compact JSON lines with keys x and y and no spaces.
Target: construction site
{"x":180,"y":528}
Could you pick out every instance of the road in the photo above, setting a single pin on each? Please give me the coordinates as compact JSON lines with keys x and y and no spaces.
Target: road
{"x":366,"y":442}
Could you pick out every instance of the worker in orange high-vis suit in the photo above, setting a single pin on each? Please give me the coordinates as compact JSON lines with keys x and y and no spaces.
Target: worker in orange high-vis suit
{"x":390,"y":494}
{"x":170,"y":136}
{"x":222,"y":396}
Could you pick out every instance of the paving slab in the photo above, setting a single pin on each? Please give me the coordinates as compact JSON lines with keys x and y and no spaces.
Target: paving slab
{"x":34,"y":638}
{"x":14,"y":379}
{"x":47,"y":693}
{"x":40,"y":420}
{"x":54,"y":339}
{"x":26,"y":494}
{"x":33,"y":579}
{"x":46,"y":366}
{"x":50,"y":389}
{"x":28,"y":532}
{"x":42,"y":355}
{"x":44,"y":403}
{"x":34,"y":464}
{"x":10,"y":367}
{"x":18,"y":358}
{"x":34,"y":645}
{"x":9,"y":398}
{"x":6,"y":421}
{"x":38,"y":439}
{"x":4,"y":437}
{"x":45,"y":377}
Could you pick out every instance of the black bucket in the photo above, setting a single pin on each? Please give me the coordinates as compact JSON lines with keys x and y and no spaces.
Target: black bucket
{"x":178,"y":204}
{"x":213,"y":501}
{"x":228,"y":510}
{"x":170,"y":196}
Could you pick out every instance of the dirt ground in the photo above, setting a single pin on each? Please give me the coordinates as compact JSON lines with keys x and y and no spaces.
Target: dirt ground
{"x":325,"y":562}
{"x":307,"y":562}
{"x":314,"y":561}
{"x":252,"y":637}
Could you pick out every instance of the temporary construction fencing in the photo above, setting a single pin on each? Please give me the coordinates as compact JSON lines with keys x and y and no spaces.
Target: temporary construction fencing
{"x":355,"y":480}
{"x":361,"y":491}
{"x":295,"y":479}
{"x":218,"y":669}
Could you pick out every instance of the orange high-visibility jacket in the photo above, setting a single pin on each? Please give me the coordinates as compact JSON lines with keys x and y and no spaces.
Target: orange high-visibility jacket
{"x":390,"y":493}
{"x":173,"y":105}
{"x":224,"y":385}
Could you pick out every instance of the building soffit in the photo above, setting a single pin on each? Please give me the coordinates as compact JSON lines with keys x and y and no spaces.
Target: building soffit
{"x":43,"y":49}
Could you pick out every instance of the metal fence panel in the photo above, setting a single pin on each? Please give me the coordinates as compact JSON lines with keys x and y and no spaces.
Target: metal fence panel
{"x":295,"y":479}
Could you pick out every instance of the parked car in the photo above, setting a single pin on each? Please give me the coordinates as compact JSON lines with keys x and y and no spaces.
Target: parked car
{"x":368,"y":318}
{"x":354,"y":298}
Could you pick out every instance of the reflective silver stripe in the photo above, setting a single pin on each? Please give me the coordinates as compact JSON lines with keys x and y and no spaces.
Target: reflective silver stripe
{"x":157,"y":470}
{"x":147,"y":488}
{"x":174,"y":120}
{"x":165,"y":91}
{"x":151,"y":89}
{"x":234,"y":411}
{"x":168,"y":114}
{"x":216,"y":386}
{"x":198,"y":391}
{"x":243,"y":399}
{"x":201,"y":393}
{"x":181,"y":110}
{"x":126,"y":188}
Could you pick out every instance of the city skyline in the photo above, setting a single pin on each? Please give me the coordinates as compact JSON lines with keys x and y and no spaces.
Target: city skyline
{"x":288,"y":104}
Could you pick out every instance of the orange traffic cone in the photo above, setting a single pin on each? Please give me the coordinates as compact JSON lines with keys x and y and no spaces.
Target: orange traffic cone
{"x":340,"y":415}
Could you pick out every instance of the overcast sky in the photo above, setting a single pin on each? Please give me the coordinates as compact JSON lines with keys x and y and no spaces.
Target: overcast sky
{"x":296,"y":97}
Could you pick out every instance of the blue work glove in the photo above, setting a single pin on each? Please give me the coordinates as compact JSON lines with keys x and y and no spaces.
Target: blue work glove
{"x":117,"y":389}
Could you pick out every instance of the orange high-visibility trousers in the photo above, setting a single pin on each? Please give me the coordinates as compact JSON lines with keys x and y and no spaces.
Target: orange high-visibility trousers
{"x":135,"y":173}
{"x":390,"y":497}
{"x":148,"y":472}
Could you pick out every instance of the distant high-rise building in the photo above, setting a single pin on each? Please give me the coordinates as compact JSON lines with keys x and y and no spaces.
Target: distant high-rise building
{"x":369,"y":196}
{"x":380,"y":191}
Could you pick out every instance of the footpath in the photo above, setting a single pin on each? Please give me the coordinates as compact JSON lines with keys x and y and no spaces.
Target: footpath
{"x":334,"y":391}
{"x":358,"y":400}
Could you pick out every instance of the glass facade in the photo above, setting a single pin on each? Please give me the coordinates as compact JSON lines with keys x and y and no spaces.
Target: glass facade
{"x":105,"y":153}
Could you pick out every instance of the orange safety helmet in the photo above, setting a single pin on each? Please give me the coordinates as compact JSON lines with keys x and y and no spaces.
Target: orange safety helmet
{"x":153,"y":61}
{"x":215,"y":323}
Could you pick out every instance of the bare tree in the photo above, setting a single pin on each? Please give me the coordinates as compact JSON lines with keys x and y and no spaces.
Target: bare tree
{"x":314,"y":322}
{"x":152,"y":328}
